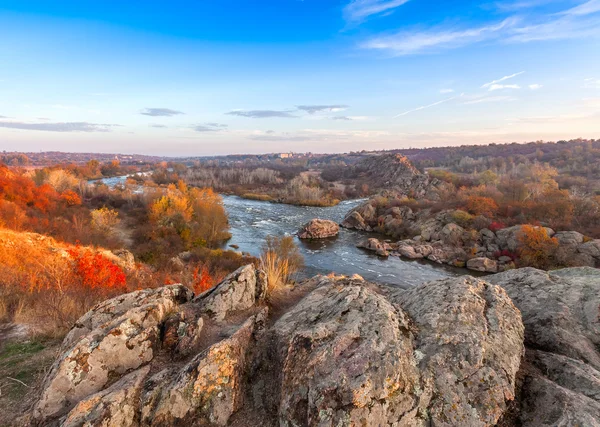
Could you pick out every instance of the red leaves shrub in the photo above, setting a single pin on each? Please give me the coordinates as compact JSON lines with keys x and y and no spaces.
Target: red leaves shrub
{"x":203,"y":281}
{"x":96,"y":272}
{"x":496,"y":225}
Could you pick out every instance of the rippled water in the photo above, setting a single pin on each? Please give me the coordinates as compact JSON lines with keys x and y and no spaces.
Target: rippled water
{"x":251,"y":221}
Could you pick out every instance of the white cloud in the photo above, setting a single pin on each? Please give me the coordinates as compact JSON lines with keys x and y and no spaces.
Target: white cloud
{"x":578,"y":22}
{"x":591,"y":84}
{"x":488,"y":99}
{"x":445,"y":91}
{"x":359,"y":10}
{"x":535,"y":86}
{"x":424,"y":107}
{"x":500,"y":80}
{"x":411,"y":42}
{"x":500,"y":87}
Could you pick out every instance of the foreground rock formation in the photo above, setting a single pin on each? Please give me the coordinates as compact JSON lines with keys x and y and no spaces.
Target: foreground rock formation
{"x":342,"y":352}
{"x":319,"y":229}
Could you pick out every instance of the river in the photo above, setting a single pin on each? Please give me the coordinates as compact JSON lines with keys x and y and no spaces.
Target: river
{"x":252,"y":221}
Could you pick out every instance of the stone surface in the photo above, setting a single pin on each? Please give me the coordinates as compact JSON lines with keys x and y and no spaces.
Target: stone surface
{"x":343,"y":352}
{"x":319,"y":229}
{"x":374,"y":245}
{"x":468,"y":345}
{"x":561,"y":384}
{"x":446,"y":351}
{"x":240,"y":290}
{"x":209,"y":389}
{"x":115,"y":337}
{"x":116,"y":406}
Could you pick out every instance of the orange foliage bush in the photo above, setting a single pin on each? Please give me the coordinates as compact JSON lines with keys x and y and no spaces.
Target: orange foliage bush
{"x":478,"y":205}
{"x":537,"y":248}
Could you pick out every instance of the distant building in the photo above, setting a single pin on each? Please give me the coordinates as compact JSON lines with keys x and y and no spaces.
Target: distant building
{"x":285,"y":155}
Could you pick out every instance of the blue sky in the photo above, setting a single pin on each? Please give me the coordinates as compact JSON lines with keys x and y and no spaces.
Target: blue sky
{"x":218,"y":77}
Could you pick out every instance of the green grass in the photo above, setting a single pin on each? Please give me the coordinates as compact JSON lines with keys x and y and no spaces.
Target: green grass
{"x":21,"y":349}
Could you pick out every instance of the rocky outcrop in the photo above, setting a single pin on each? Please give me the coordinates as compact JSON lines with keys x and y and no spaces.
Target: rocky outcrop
{"x":241,"y":290}
{"x":319,"y":229}
{"x":346,"y":352}
{"x":115,"y":337}
{"x":561,"y":373}
{"x":483,"y":264}
{"x":209,"y":389}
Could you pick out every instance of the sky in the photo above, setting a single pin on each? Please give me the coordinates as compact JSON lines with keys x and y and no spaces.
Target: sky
{"x":211,"y":77}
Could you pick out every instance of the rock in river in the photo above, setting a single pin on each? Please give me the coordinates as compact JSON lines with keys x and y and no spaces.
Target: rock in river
{"x":319,"y":229}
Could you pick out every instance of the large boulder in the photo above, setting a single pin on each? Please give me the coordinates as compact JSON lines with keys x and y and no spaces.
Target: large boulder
{"x":117,"y":336}
{"x":319,"y":229}
{"x":209,"y":389}
{"x":561,"y":384}
{"x":361,"y":217}
{"x":446,"y":352}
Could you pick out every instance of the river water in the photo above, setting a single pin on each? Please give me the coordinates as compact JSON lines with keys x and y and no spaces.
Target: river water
{"x":252,"y":221}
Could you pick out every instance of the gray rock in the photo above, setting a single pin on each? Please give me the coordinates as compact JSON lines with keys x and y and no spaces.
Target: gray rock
{"x":571,"y":238}
{"x":209,"y":389}
{"x":116,"y":406}
{"x":561,"y":384}
{"x":113,"y":338}
{"x":240,"y":290}
{"x":591,"y":248}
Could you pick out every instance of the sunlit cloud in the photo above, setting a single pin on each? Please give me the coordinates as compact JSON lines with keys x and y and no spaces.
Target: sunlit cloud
{"x":500,"y":80}
{"x":535,"y":86}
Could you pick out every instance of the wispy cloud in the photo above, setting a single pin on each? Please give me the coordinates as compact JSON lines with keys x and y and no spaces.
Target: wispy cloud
{"x":157,"y":126}
{"x":591,"y":84}
{"x":209,"y":127}
{"x":488,"y":99}
{"x":500,"y":80}
{"x":312,"y":109}
{"x":261,"y":114}
{"x":359,"y":10}
{"x":535,"y":86}
{"x":343,"y":118}
{"x":58,"y":127}
{"x":424,"y":107}
{"x":500,"y":87}
{"x":446,"y":91}
{"x":581,"y":21}
{"x":437,"y":38}
{"x":160,"y":112}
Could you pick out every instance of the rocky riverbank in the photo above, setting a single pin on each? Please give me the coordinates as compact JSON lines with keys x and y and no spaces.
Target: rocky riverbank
{"x":336,"y":351}
{"x":438,"y":238}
